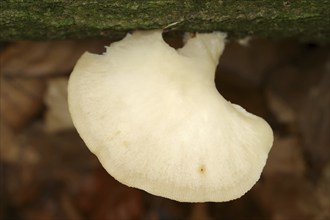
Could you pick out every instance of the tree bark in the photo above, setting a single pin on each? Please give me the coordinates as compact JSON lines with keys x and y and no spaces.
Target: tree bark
{"x":306,"y":20}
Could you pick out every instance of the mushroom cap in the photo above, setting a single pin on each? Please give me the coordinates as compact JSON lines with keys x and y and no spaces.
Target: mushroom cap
{"x":155,"y":120}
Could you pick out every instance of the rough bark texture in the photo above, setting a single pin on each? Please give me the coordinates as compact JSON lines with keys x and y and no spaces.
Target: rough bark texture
{"x":61,"y":19}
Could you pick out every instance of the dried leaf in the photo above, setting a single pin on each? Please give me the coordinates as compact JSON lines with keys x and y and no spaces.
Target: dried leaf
{"x":200,"y":212}
{"x":57,"y":114}
{"x":314,"y":123}
{"x":29,"y":58}
{"x":285,"y":158}
{"x":102,"y":197}
{"x":8,"y":146}
{"x":20,"y":101}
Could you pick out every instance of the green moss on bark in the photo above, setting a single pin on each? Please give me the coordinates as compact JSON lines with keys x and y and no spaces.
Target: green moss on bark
{"x":62,"y":19}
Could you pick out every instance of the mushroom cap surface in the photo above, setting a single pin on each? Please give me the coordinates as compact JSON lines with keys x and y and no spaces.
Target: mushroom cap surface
{"x":155,"y":120}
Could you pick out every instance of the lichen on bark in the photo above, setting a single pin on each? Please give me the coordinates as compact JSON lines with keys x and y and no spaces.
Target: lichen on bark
{"x":60,"y":19}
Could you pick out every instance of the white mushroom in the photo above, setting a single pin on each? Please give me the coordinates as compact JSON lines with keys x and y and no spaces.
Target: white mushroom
{"x":155,"y":120}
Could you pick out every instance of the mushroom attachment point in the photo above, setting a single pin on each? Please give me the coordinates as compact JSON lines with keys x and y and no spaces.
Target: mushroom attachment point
{"x":155,"y":120}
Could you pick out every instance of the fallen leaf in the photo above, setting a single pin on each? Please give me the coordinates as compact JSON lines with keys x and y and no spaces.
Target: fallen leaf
{"x":57,"y":116}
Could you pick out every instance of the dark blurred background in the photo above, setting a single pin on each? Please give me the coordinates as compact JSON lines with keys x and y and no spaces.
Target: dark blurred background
{"x":48,"y":173}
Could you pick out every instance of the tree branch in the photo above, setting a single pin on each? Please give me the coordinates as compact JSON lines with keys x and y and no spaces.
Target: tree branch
{"x":62,"y":19}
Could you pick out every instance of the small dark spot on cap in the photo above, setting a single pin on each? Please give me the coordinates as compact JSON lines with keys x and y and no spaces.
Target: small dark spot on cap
{"x":202,"y":169}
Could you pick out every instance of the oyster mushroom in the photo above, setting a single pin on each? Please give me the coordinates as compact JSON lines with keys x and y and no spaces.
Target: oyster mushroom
{"x":155,"y":120}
